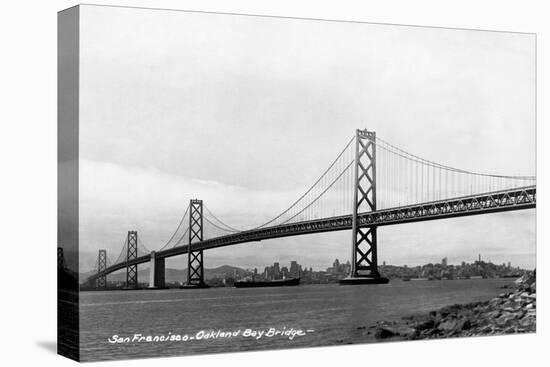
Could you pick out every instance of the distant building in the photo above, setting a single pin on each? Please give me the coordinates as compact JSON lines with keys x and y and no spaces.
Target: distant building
{"x":384,"y":263}
{"x":444,"y":261}
{"x":276,"y":271}
{"x":294,"y":268}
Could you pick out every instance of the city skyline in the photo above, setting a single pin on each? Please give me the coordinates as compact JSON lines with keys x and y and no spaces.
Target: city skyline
{"x":324,"y":267}
{"x":338,"y":270}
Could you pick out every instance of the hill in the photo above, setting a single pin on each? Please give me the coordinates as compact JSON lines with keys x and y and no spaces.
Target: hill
{"x":174,"y":275}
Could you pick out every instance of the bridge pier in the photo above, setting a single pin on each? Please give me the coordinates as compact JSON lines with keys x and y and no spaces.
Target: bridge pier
{"x":156,"y":272}
{"x":101,"y":282}
{"x":132,"y":253}
{"x":195,"y":269}
{"x":364,"y":251}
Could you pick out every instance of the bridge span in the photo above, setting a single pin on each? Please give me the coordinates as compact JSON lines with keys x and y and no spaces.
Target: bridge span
{"x":493,"y":202}
{"x":371,"y":183}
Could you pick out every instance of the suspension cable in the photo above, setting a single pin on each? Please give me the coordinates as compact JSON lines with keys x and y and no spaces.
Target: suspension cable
{"x":321,"y":194}
{"x":425,"y":161}
{"x":232,"y":229}
{"x":311,"y":188}
{"x":177,"y":229}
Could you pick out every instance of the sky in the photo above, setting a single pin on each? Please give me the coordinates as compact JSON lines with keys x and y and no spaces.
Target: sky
{"x":246,"y":112}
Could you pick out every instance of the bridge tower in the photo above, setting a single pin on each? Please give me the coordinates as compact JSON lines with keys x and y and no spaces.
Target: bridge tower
{"x":132,"y":253}
{"x":364,"y":261}
{"x":195,"y":270}
{"x":101,"y":282}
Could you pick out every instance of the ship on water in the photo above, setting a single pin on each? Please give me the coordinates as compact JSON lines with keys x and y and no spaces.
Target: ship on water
{"x":271,"y":280}
{"x":267,"y":283}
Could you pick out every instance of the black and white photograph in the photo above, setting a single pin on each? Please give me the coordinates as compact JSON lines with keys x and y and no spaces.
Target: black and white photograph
{"x":225,"y":180}
{"x":250,"y":183}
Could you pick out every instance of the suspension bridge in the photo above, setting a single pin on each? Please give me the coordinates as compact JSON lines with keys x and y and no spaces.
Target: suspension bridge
{"x":371,"y":183}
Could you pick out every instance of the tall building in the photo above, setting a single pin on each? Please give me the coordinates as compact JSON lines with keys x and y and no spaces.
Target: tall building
{"x":444,"y":261}
{"x":294,"y":268}
{"x":284,"y":272}
{"x":276,"y":270}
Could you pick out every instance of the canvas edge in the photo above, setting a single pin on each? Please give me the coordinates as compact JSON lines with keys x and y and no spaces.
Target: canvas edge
{"x":67,"y":186}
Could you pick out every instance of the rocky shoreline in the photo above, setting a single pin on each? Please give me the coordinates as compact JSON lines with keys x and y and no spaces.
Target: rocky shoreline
{"x":513,"y":311}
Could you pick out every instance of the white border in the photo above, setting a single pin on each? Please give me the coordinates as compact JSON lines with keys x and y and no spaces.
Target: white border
{"x":28,"y":154}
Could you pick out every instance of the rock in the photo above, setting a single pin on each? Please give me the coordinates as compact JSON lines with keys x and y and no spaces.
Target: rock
{"x":455,"y":326}
{"x":405,"y":331}
{"x":504,"y":319}
{"x":493,"y":314}
{"x":428,"y":324}
{"x":448,"y":325}
{"x":511,"y":312}
{"x":464,"y":324}
{"x":485,"y":329}
{"x":527,"y":321}
{"x":428,"y":333}
{"x":383,"y":333}
{"x":483,"y":308}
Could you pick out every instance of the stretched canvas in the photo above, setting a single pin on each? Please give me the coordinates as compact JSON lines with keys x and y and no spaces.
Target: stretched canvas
{"x":237,"y":182}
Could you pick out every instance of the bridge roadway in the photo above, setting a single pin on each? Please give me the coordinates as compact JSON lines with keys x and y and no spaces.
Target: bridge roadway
{"x":498,"y":201}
